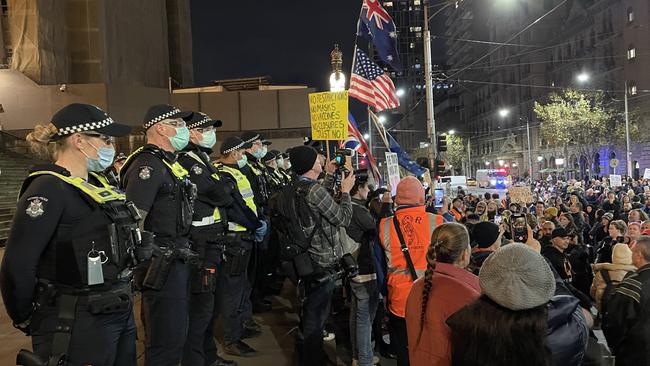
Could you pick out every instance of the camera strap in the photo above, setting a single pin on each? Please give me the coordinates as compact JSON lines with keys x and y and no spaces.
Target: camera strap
{"x":405,"y":249}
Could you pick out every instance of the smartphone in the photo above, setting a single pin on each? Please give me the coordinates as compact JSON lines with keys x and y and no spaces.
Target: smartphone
{"x":498,"y":219}
{"x":519,"y":228}
{"x":439,"y":194}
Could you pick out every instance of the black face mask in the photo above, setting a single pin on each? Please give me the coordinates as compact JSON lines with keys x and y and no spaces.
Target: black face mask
{"x":491,"y":214}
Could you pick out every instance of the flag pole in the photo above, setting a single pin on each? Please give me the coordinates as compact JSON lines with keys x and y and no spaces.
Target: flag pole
{"x":431,"y":120}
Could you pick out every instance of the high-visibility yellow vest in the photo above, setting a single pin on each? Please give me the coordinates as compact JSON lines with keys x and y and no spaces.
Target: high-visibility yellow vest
{"x":98,"y":194}
{"x":176,"y":168}
{"x":244,"y":187}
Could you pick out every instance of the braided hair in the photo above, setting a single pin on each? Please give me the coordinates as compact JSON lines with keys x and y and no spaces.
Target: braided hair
{"x":448,"y":242}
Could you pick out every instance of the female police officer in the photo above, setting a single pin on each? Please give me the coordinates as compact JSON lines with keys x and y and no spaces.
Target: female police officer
{"x":65,"y":276}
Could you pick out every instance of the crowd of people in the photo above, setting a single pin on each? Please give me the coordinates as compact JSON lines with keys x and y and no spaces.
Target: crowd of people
{"x":205,"y":234}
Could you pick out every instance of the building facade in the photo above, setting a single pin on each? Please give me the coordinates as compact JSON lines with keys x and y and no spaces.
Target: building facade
{"x":604,"y":39}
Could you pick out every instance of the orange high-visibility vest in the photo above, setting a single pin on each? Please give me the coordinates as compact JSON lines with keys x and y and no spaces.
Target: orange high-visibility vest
{"x":457,"y":215}
{"x":417,"y":225}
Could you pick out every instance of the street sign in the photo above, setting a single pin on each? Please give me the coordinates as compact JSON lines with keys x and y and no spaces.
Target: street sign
{"x":613,"y":163}
{"x":393,"y":172}
{"x":615,"y":180}
{"x":329,"y":116}
{"x":646,"y":174}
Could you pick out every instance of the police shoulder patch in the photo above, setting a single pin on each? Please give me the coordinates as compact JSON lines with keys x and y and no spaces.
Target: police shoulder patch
{"x":197,"y":169}
{"x":35,"y":206}
{"x":145,"y":172}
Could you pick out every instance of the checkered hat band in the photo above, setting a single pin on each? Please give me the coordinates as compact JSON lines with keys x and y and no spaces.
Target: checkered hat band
{"x":233,"y":148}
{"x":162,"y":117}
{"x":256,"y":137}
{"x":85,"y":127}
{"x":197,"y":124}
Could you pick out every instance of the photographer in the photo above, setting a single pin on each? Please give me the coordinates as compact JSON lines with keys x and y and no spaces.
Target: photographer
{"x":364,"y":291}
{"x":325,"y":249}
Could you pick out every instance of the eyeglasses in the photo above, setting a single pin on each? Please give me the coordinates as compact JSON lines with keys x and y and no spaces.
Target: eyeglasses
{"x":108,"y":140}
{"x":175,"y":123}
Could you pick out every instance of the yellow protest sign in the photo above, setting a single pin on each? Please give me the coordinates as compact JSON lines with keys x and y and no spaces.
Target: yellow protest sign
{"x":329,"y":115}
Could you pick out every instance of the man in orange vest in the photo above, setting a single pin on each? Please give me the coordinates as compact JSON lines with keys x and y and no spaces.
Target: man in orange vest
{"x":405,"y":247}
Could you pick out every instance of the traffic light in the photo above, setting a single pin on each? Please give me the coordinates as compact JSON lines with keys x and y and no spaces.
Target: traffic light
{"x":440,"y":168}
{"x":442,"y":143}
{"x":423,"y":162}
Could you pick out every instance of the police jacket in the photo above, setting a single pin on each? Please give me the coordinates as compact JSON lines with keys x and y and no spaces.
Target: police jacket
{"x":256,"y":174}
{"x":239,"y":212}
{"x":213,"y":195}
{"x":159,"y":185}
{"x":627,"y":322}
{"x":58,"y":222}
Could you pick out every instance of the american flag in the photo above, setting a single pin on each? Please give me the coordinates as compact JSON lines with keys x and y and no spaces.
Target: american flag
{"x":371,"y":85}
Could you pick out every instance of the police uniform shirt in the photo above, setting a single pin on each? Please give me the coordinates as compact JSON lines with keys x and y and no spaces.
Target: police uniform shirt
{"x":210,"y":192}
{"x":148,"y":183}
{"x":239,"y":212}
{"x":49,"y":209}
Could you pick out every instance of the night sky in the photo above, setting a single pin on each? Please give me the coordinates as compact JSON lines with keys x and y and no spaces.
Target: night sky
{"x":288,"y":40}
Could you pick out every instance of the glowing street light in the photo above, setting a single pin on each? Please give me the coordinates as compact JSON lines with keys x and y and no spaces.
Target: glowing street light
{"x":366,"y":136}
{"x":487,"y":163}
{"x":501,"y":162}
{"x":451,"y":132}
{"x":540,"y":158}
{"x":400,"y":92}
{"x":582,"y":78}
{"x":382,"y":119}
{"x":503,"y":112}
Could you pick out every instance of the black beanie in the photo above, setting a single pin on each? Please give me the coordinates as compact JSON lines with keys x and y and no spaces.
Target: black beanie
{"x":302,"y":159}
{"x":485,"y":234}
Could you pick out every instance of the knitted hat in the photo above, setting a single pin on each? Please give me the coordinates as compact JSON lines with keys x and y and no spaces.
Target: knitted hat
{"x":302,"y":159}
{"x":485,"y":234}
{"x":410,"y":192}
{"x":551,"y":212}
{"x":609,"y":216}
{"x":621,"y":254}
{"x":517,"y":277}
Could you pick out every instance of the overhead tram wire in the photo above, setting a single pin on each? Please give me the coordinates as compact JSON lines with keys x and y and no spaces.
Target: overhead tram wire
{"x":510,"y":39}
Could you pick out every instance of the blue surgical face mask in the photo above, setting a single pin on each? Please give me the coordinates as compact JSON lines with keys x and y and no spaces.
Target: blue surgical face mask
{"x":260,"y":153}
{"x":181,"y":139}
{"x":242,"y":162}
{"x":105,"y":156}
{"x":209,"y":139}
{"x":280,"y":163}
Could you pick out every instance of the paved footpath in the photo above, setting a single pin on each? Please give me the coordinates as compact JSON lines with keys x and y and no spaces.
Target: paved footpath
{"x":275,"y":346}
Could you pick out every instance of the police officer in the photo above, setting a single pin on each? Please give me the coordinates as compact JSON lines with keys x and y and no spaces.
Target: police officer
{"x":281,"y":159}
{"x":209,"y":226}
{"x":160,"y":188}
{"x":275,"y":179}
{"x":111,"y":175}
{"x":256,"y":172}
{"x":244,"y":229}
{"x":66,"y":273}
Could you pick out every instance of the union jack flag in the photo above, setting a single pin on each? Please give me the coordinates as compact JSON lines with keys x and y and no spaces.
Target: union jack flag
{"x":371,"y":85}
{"x":355,"y":141}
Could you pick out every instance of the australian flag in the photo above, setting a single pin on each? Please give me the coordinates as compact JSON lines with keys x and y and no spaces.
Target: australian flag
{"x":377,"y":23}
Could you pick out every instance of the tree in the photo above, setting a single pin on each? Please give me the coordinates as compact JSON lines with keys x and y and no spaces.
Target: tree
{"x":577,"y":119}
{"x":455,"y":153}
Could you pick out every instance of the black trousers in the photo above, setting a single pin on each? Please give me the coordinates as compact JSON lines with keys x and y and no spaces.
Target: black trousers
{"x":105,"y":339}
{"x":314,"y":314}
{"x":165,"y":317}
{"x":399,"y":338}
{"x":233,"y":291}
{"x":200,"y":343}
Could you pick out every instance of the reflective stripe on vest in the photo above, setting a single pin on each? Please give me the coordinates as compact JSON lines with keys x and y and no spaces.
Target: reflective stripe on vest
{"x":417,"y":225}
{"x":216,"y":214}
{"x":244,"y":187}
{"x":98,"y":194}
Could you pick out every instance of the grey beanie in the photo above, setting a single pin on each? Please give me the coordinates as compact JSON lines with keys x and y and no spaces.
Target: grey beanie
{"x":517,"y":277}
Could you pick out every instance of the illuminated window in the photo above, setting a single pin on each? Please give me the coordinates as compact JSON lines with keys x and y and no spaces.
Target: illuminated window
{"x":631,"y":52}
{"x":631,"y":85}
{"x":416,"y":2}
{"x":630,"y":15}
{"x":388,"y":4}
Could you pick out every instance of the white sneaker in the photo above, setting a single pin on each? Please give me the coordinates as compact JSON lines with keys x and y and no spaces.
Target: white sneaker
{"x":328,"y":337}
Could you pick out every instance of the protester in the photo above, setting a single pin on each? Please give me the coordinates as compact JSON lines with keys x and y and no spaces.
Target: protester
{"x":616,"y":230}
{"x":611,"y":273}
{"x":445,"y":288}
{"x":487,"y":237}
{"x":627,"y":323}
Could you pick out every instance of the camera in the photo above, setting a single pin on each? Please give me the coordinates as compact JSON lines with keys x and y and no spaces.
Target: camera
{"x":361,"y":176}
{"x":349,"y":265}
{"x":341,"y":155}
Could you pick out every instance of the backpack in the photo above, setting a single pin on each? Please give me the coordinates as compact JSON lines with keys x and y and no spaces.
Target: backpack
{"x":290,"y":215}
{"x":610,"y":290}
